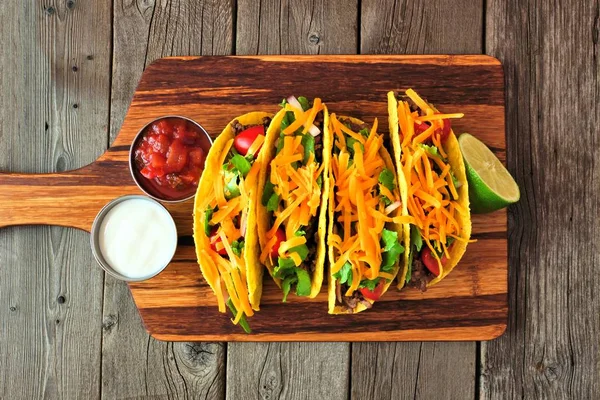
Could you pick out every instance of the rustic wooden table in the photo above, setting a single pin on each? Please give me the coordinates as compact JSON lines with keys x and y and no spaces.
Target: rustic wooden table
{"x":68,"y":70}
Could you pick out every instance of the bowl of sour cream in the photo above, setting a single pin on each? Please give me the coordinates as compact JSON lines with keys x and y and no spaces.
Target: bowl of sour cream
{"x":133,"y":238}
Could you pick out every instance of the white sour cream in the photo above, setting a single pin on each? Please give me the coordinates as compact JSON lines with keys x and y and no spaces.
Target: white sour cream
{"x":137,"y":238}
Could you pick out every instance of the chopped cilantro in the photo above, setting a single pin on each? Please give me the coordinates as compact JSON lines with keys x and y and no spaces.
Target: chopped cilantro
{"x":243,"y":322}
{"x":240,"y":164}
{"x":344,"y":274}
{"x":207,"y":217}
{"x":386,"y":178}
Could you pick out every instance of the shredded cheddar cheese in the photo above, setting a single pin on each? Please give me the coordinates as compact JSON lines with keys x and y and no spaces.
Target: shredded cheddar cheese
{"x":295,"y":182}
{"x":359,"y":204}
{"x":227,"y":272}
{"x":432,"y":196}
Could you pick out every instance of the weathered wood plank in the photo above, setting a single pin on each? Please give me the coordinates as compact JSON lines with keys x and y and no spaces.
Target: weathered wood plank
{"x":418,"y":371}
{"x":50,"y":288}
{"x":421,"y":27}
{"x":292,"y":370}
{"x":407,"y":370}
{"x":143,"y":32}
{"x":287,"y":371}
{"x":550,"y":54}
{"x":296,"y":27}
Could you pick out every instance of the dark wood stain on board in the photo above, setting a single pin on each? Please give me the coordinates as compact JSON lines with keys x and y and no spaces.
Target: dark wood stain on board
{"x":353,"y":85}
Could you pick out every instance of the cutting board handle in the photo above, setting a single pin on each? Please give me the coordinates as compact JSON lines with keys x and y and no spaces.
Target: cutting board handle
{"x":70,"y":199}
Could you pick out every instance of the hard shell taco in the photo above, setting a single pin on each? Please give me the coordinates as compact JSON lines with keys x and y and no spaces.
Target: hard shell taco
{"x":427,"y":154}
{"x":291,"y":203}
{"x":367,"y":231}
{"x":225,"y":217}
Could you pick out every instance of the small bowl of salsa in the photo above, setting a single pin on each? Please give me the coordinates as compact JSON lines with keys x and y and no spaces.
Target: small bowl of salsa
{"x":167,"y":158}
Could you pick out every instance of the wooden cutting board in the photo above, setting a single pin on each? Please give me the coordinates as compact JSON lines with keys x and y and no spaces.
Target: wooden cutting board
{"x":470,"y":304}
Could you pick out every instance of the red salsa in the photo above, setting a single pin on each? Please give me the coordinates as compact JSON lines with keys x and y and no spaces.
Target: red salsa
{"x":169,"y":158}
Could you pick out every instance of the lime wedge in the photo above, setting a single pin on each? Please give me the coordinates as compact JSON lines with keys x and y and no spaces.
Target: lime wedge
{"x":491,"y":187}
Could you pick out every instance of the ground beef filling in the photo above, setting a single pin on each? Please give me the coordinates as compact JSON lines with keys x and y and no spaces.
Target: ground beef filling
{"x":420,"y":275}
{"x":239,"y":128}
{"x":350,"y":302}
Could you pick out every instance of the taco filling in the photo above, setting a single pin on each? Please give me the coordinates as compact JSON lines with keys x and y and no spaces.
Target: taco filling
{"x":292,"y":196}
{"x":365,"y":237}
{"x":226,"y":206}
{"x":433,"y":190}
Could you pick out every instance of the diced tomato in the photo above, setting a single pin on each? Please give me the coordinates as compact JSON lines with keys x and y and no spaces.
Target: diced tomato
{"x":197,"y":158}
{"x":171,"y":156}
{"x":280,"y":238}
{"x":430,"y":261}
{"x":422,"y":127}
{"x":162,"y":127}
{"x":148,"y":173}
{"x":375,"y":294}
{"x":190,"y":177}
{"x":214,"y":239}
{"x":244,"y":140}
{"x":445,"y":130}
{"x":176,"y":156}
{"x":159,"y":143}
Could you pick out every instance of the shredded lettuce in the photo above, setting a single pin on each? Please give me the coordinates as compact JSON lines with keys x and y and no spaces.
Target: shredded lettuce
{"x":308,"y":143}
{"x":386,"y":178}
{"x":304,"y":103}
{"x":240,"y":164}
{"x":273,"y":202}
{"x":267,"y":193}
{"x":344,"y":274}
{"x":243,"y":322}
{"x":392,"y":250}
{"x":207,"y":217}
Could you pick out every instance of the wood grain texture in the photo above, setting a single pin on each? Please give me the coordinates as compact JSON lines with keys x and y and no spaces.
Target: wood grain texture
{"x":473,"y":297}
{"x":296,"y":27}
{"x":422,"y":27}
{"x":292,"y":370}
{"x":476,"y":294}
{"x":53,"y":107}
{"x":288,"y":371}
{"x":426,"y":370}
{"x":550,"y":349}
{"x":145,"y":31}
